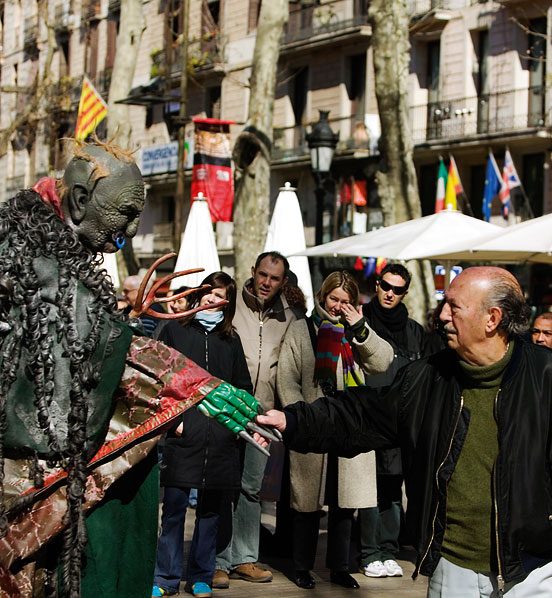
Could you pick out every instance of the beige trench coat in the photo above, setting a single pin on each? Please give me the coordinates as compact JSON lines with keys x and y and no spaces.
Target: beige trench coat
{"x":356,"y":476}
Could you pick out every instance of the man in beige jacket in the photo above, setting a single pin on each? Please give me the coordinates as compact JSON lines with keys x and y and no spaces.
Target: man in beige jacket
{"x":262,"y":318}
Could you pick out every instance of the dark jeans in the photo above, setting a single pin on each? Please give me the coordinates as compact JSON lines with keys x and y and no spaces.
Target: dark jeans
{"x":211,"y":506}
{"x":380,"y":526}
{"x":305,"y":539}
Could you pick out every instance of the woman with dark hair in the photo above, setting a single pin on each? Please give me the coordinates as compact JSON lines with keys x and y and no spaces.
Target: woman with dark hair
{"x":198,"y":454}
{"x":331,"y":350}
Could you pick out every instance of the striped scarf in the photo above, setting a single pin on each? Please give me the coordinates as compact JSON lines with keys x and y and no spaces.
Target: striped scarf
{"x":331,"y":344}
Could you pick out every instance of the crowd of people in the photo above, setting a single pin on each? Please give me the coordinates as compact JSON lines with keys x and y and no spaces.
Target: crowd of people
{"x":286,"y":358}
{"x":367,"y":403}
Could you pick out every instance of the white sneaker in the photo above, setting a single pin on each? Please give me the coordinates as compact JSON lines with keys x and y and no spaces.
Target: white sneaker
{"x":393,"y":568}
{"x":376,"y":569}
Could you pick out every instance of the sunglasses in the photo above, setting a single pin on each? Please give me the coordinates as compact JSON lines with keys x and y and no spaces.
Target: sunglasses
{"x":385,"y":286}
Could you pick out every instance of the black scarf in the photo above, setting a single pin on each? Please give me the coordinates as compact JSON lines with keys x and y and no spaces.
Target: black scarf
{"x":390,"y":324}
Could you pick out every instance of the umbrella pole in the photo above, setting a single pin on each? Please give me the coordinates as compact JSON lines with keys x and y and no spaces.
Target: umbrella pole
{"x":448,"y":270}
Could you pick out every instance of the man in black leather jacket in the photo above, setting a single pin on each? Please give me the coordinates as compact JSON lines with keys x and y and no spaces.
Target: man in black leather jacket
{"x":473,"y":424}
{"x":379,"y":526}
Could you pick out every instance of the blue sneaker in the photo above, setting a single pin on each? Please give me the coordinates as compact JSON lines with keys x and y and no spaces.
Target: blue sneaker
{"x":158,"y":592}
{"x":199,"y":590}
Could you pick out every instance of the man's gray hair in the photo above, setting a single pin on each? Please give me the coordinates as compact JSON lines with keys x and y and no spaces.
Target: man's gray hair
{"x":506,"y":294}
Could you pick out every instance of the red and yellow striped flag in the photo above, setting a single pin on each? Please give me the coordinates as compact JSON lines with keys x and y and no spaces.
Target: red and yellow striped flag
{"x":92,"y":110}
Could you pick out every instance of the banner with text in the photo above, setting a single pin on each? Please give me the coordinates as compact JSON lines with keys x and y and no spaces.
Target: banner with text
{"x":212,"y":170}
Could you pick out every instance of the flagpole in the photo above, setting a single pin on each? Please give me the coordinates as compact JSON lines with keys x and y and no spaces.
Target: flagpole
{"x":179,"y":196}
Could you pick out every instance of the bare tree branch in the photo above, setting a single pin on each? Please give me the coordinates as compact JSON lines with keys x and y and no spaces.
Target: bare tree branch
{"x":36,"y":91}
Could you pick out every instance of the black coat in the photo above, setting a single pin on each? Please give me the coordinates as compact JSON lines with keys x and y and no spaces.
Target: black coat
{"x":415,"y":346}
{"x":423,"y":413}
{"x":207,"y":455}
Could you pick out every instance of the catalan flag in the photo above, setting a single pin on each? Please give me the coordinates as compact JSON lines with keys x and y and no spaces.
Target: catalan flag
{"x":92,"y":110}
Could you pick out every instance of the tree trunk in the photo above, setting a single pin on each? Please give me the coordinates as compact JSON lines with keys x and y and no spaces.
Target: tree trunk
{"x":397,"y":182}
{"x":252,"y":149}
{"x":28,"y":118}
{"x":131,"y":27}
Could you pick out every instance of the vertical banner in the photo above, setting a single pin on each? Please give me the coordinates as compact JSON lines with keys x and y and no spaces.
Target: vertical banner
{"x":212,"y":169}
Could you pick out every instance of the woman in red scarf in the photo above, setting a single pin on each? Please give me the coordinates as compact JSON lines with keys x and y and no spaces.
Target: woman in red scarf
{"x":332,"y":349}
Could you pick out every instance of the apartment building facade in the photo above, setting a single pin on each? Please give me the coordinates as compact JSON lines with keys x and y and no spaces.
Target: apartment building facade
{"x":479,"y":81}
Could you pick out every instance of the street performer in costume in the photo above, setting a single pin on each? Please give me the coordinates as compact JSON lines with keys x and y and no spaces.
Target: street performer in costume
{"x":84,"y":398}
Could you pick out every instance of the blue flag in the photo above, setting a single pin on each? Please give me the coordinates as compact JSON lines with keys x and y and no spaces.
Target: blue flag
{"x":493,"y":184}
{"x":370,"y":266}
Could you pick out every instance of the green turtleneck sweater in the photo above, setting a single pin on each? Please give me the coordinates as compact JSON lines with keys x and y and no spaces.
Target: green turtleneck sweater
{"x":469,"y":535}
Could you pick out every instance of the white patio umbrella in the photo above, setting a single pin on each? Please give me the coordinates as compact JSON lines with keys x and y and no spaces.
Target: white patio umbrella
{"x":287,"y":235}
{"x":529,"y":241}
{"x":198,"y":248}
{"x":413,"y":239}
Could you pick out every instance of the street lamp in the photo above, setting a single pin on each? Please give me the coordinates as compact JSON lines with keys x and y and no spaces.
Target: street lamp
{"x":322,"y":142}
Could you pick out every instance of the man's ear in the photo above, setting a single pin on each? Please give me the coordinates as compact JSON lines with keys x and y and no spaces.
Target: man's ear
{"x":252,"y":271}
{"x":493,"y":319}
{"x":77,"y":197}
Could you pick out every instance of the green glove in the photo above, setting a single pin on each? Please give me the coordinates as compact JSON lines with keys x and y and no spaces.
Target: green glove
{"x":231,"y":407}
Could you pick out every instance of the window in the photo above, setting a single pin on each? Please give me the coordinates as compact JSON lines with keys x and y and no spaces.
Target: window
{"x":63,"y":45}
{"x":427,"y":185}
{"x":356,"y":85}
{"x":533,"y":181}
{"x":91,"y":58}
{"x":432,"y":82}
{"x":212,"y":102}
{"x":112,"y":32}
{"x":253,"y":17}
{"x":537,"y":71}
{"x":482,"y":80}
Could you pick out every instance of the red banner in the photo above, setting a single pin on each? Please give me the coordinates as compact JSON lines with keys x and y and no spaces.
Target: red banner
{"x":212,"y":170}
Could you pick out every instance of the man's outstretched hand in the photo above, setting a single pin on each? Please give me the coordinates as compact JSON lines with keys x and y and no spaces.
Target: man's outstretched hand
{"x":274,"y":419}
{"x":236,"y":410}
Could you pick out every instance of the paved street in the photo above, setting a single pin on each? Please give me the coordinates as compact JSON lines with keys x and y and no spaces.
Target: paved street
{"x":283,"y":587}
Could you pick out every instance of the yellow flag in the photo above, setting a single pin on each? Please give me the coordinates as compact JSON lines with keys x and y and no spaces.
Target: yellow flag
{"x":92,"y":110}
{"x":450,"y":193}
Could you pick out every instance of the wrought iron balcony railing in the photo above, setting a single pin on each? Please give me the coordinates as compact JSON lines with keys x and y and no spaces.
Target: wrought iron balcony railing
{"x":290,"y":142}
{"x":502,"y":112}
{"x":309,"y":20}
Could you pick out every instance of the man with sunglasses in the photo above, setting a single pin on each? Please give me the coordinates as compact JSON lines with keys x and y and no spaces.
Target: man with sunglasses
{"x":380,"y":526}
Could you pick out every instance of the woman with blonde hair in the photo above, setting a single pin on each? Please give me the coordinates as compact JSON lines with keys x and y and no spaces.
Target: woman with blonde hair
{"x":331,"y":350}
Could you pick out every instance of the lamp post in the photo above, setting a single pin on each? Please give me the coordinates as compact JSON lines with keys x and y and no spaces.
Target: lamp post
{"x":322,"y":142}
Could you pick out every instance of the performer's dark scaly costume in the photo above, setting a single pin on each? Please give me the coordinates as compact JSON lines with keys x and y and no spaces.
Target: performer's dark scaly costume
{"x":82,"y":400}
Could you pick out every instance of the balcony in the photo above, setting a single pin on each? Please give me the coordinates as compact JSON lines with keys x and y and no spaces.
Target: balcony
{"x":103,"y":81}
{"x":420,"y":7}
{"x":63,"y":19}
{"x":91,"y":10}
{"x":64,"y":94}
{"x":114,"y":6}
{"x":289,"y":143}
{"x":30,"y":31}
{"x":490,"y":114}
{"x":309,"y":23}
{"x":204,"y":56}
